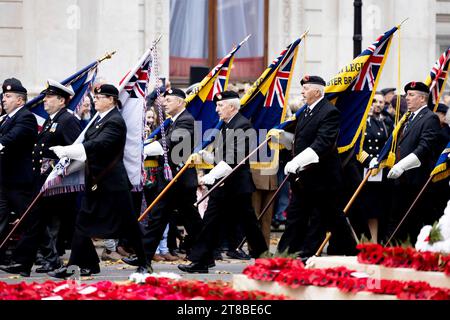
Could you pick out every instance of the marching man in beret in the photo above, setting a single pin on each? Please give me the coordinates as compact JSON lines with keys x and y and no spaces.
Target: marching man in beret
{"x":415,"y":158}
{"x":233,"y":200}
{"x":179,"y":140}
{"x":317,"y":166}
{"x":18,"y":131}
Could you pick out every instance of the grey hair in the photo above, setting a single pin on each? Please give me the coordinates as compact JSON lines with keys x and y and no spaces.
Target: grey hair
{"x":447,"y":116}
{"x":235,"y":103}
{"x":318,"y":87}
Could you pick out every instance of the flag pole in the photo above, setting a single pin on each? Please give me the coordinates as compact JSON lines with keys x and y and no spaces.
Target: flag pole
{"x":410,"y":209}
{"x":346,"y":209}
{"x":221,"y":181}
{"x":22,"y":217}
{"x":272,"y":199}
{"x":164,"y":191}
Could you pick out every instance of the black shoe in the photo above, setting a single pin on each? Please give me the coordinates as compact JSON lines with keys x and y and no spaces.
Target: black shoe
{"x":238,"y":254}
{"x":211,"y":264}
{"x":194,"y":267}
{"x":60,"y":273}
{"x":47,"y":267}
{"x":17,"y":268}
{"x":217,"y":255}
{"x":145,"y":269}
{"x":85,"y":272}
{"x":132,"y":261}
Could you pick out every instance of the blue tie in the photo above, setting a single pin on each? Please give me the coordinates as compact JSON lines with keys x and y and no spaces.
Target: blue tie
{"x":7,"y":119}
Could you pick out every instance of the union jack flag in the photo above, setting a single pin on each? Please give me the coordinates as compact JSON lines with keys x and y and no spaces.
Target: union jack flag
{"x":438,"y":78}
{"x":368,"y":74}
{"x":265,"y":102}
{"x":277,"y":88}
{"x":352,"y":89}
{"x":221,"y":80}
{"x":138,"y":83}
{"x":200,"y":102}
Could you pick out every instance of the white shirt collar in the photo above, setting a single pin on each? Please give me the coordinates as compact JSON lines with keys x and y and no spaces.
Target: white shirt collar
{"x":103,"y":114}
{"x":14,"y":112}
{"x":232,"y":117}
{"x":311,"y":107}
{"x":175,"y":117}
{"x":413,"y":114}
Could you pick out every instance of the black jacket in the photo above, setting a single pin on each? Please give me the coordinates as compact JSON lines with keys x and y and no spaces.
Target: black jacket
{"x":232,"y":145}
{"x":104,"y":144}
{"x":319,"y":131}
{"x":180,"y":143}
{"x":422,"y":139}
{"x":18,"y":136}
{"x":63,"y":130}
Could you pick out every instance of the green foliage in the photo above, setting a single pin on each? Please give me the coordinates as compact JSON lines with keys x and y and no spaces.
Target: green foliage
{"x":278,"y":254}
{"x":435,"y":233}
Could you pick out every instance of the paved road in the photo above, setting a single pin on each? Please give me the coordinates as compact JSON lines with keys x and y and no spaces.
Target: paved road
{"x":119,"y":271}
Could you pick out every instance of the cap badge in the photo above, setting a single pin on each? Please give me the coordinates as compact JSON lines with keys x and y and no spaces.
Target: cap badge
{"x":413,"y":84}
{"x":8,"y":88}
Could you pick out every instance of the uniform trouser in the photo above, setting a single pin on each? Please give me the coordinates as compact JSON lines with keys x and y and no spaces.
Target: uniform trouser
{"x":403,"y":196}
{"x":260,"y":200}
{"x":309,"y":216}
{"x":176,"y":198}
{"x":84,"y":255}
{"x":231,"y":207}
{"x":11,"y":200}
{"x":42,"y":228}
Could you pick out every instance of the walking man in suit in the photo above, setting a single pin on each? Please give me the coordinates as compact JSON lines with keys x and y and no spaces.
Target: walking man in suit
{"x":18,"y":131}
{"x":316,"y":172}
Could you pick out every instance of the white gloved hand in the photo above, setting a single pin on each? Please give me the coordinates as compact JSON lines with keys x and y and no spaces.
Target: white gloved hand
{"x":74,"y":167}
{"x":153,"y":149}
{"x":282,"y":137}
{"x":373,"y":163}
{"x":409,"y":162}
{"x":303,"y":159}
{"x":220,"y":170}
{"x":74,"y":151}
{"x":1,"y":147}
{"x":207,"y":156}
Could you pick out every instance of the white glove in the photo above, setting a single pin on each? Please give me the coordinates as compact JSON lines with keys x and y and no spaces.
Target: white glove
{"x":282,"y":137}
{"x":373,"y":163}
{"x":153,"y":149}
{"x":409,"y":162}
{"x":74,"y":151}
{"x":220,"y":170}
{"x":1,"y":147}
{"x":304,"y":158}
{"x":74,"y":167}
{"x":207,"y":156}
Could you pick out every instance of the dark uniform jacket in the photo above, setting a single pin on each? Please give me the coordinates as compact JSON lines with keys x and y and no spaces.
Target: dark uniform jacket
{"x":104,"y":144}
{"x":63,"y":130}
{"x":232,"y":146}
{"x":18,"y":136}
{"x":375,"y":137}
{"x":319,"y":131}
{"x":180,"y":131}
{"x":422,"y":139}
{"x":107,"y":205}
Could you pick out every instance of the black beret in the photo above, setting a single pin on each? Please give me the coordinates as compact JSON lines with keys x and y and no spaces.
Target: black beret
{"x":385,"y":91}
{"x":225,"y":95}
{"x":313,"y":80}
{"x":417,"y":86}
{"x":442,"y":108}
{"x":108,"y":90}
{"x":57,"y":88}
{"x":13,"y":85}
{"x":175,"y":92}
